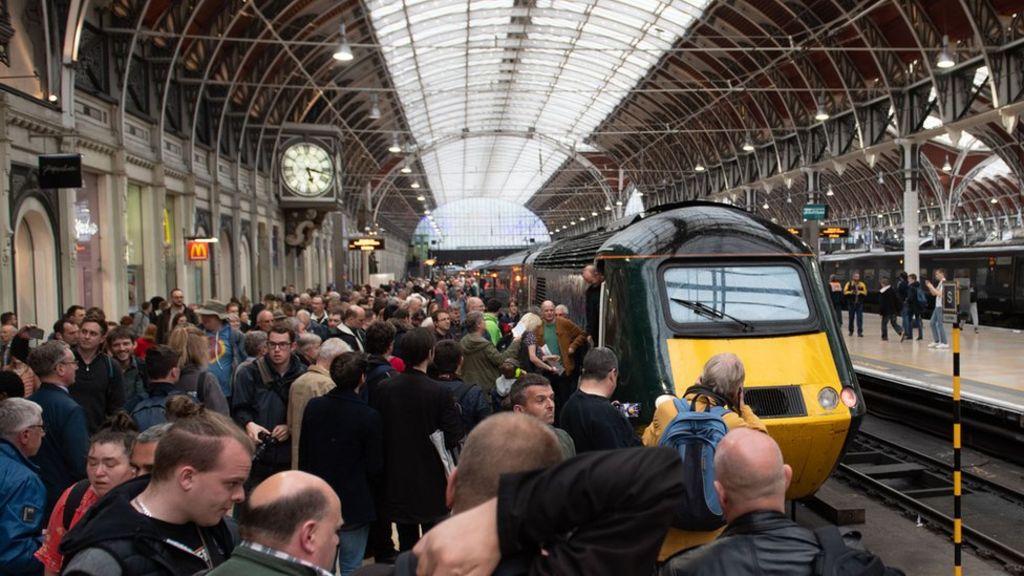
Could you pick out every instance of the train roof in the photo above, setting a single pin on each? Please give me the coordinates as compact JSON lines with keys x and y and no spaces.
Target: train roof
{"x":701,"y":228}
{"x":513,"y":259}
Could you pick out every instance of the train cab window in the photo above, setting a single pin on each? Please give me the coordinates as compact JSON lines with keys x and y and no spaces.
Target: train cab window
{"x":741,"y":294}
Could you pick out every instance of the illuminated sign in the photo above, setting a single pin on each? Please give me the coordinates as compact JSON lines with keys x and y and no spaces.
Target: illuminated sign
{"x":197,"y":251}
{"x":834,"y":232}
{"x":795,"y":231}
{"x":366,"y":244}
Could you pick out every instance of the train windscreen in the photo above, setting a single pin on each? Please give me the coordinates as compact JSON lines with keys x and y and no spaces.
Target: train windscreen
{"x":744,"y":293}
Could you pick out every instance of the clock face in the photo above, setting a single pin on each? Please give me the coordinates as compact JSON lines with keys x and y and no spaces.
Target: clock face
{"x":307,"y":169}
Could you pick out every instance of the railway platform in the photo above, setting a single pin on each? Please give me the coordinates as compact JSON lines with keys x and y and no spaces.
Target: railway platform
{"x":991,"y":363}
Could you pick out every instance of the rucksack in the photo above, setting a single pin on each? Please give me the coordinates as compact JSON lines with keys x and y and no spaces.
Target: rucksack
{"x":695,"y":436}
{"x":151,"y":411}
{"x":838,"y":559}
{"x":922,"y":298}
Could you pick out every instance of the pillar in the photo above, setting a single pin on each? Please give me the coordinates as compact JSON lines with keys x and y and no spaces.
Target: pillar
{"x":812,"y":227}
{"x":911,"y":222}
{"x":6,"y":219}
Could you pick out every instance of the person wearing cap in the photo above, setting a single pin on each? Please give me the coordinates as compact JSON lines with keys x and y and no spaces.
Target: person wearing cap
{"x":227,"y":345}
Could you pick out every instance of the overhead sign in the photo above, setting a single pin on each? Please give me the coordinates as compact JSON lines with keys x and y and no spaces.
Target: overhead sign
{"x":815,"y":211}
{"x":366,"y":244}
{"x":60,"y":171}
{"x":834,"y":232}
{"x":197,"y":251}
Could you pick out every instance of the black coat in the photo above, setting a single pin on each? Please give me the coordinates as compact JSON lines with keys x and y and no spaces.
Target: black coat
{"x":889,"y":302}
{"x":341,"y":443}
{"x":762,"y":543}
{"x":61,"y":458}
{"x":413,"y":406}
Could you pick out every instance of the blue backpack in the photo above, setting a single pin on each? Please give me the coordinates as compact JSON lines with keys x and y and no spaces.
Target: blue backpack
{"x":695,"y":436}
{"x":151,"y":411}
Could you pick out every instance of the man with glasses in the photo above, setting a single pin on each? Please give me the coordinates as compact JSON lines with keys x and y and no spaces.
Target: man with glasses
{"x":260,"y":402}
{"x":23,"y":494}
{"x":61,"y":457}
{"x":442,"y":324}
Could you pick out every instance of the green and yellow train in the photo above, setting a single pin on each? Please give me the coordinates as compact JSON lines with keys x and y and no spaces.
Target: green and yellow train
{"x":691,"y":280}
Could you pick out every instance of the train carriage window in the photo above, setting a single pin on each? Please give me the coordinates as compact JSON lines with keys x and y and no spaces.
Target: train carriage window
{"x":749,"y":293}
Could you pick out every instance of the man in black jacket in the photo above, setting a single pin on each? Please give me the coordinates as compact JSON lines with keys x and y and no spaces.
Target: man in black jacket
{"x":340,"y":441}
{"x":412,"y":406}
{"x":260,"y":401}
{"x":751,"y":480}
{"x":172,"y":522}
{"x":889,"y":307}
{"x":589,"y":416}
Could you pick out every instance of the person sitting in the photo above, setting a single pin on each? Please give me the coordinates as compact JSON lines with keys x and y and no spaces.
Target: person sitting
{"x":171,"y":522}
{"x":289,"y":525}
{"x":724,"y":376}
{"x":22,"y":494}
{"x":108,"y":467}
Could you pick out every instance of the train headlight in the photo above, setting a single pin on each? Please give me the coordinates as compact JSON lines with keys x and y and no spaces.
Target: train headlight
{"x":849,"y":397}
{"x":828,"y":399}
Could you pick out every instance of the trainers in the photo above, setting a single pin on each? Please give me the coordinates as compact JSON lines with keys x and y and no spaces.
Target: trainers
{"x":943,"y":346}
{"x":933,"y":344}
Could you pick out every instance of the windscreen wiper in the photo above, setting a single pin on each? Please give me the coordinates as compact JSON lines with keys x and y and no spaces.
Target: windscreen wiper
{"x":713,"y":313}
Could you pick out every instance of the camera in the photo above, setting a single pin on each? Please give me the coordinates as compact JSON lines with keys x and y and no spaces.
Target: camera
{"x":266,"y":440}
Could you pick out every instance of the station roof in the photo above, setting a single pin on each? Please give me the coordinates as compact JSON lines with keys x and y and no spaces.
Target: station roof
{"x":570,"y":106}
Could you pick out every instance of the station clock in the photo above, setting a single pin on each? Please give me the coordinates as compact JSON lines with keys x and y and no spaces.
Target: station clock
{"x":307,"y":169}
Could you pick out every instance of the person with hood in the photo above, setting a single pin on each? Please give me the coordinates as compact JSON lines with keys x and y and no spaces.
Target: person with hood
{"x":171,"y":522}
{"x":480,"y":359}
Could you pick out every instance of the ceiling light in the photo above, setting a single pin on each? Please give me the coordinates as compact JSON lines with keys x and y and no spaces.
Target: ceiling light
{"x":881,"y":178}
{"x":593,"y":213}
{"x":995,"y":200}
{"x":618,"y":202}
{"x":789,"y":199}
{"x":765,"y":205}
{"x":748,"y":144}
{"x":52,"y":98}
{"x":639,"y":194}
{"x":426,"y":212}
{"x":415,"y":184}
{"x":821,"y":114}
{"x":344,"y":51}
{"x":607,"y":208}
{"x":582,"y":218}
{"x":406,"y":169}
{"x":830,"y":192}
{"x":421,"y":198}
{"x":374,"y":107}
{"x":699,"y":167}
{"x":396,"y":146}
{"x":945,"y":59}
{"x":946,"y":166}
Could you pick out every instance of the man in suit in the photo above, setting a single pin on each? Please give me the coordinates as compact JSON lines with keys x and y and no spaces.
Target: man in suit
{"x":61,"y":458}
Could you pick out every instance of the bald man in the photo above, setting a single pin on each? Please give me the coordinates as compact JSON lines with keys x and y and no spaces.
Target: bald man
{"x":289,"y":525}
{"x":751,"y":480}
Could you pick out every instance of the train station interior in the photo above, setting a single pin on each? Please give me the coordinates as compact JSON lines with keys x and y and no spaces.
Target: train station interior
{"x":233,"y":149}
{"x":456,"y":131}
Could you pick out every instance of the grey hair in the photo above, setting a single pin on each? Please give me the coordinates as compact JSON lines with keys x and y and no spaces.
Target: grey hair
{"x":17,"y":414}
{"x":724,"y":373}
{"x":153,"y":433}
{"x":43,"y":360}
{"x":254,"y":340}
{"x":562,"y":308}
{"x":292,"y":323}
{"x":304,"y":316}
{"x":473,"y":322}
{"x":332,"y":348}
{"x":307,"y":339}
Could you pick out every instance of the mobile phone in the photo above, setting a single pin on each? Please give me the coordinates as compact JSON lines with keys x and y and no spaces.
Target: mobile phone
{"x":629,"y":409}
{"x":36,"y":333}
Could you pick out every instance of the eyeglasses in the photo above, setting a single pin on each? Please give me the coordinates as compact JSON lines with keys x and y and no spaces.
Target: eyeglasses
{"x":69,"y":362}
{"x":273,"y":345}
{"x":42,"y":427}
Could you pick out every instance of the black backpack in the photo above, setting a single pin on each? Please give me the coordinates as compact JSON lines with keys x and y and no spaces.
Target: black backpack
{"x":151,"y":411}
{"x":838,"y":559}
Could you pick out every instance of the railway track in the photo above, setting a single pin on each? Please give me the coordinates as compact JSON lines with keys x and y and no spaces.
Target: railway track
{"x":883,"y":465}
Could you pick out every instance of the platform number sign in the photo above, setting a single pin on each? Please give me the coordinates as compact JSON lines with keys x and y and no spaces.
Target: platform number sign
{"x":949,"y":301}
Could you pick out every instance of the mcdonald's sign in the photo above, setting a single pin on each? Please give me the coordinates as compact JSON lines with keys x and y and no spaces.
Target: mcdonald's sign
{"x":197,"y":251}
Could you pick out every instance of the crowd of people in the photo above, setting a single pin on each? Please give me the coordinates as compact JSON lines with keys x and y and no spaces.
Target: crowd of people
{"x":901,"y":306}
{"x":302,"y":434}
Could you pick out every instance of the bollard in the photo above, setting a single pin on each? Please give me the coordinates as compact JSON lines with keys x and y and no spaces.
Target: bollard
{"x":957,"y":513}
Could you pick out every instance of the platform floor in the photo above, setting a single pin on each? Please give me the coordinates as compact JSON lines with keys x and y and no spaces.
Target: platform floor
{"x":991,"y":361}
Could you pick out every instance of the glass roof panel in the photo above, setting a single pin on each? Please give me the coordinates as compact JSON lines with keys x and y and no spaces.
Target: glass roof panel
{"x":507,"y":224}
{"x":478,"y":79}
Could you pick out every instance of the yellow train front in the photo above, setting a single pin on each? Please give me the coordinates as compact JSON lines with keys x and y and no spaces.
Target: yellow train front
{"x":688,"y":282}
